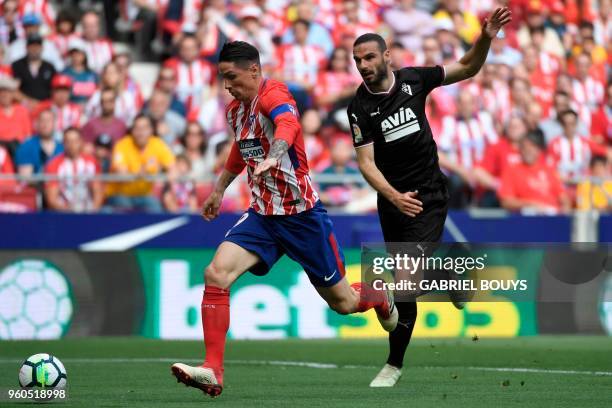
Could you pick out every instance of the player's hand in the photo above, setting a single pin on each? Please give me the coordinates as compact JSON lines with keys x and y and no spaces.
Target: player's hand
{"x":408,"y":203}
{"x":263,"y":168}
{"x":210,"y":208}
{"x":499,"y":18}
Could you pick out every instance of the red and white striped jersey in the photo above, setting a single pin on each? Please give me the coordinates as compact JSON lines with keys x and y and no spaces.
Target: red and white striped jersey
{"x":300,"y":63}
{"x":5,"y":32}
{"x":495,"y":100}
{"x":286,"y":189}
{"x":194,"y":80}
{"x":465,"y":141}
{"x":41,"y":7}
{"x":61,"y":42}
{"x":571,"y":157}
{"x":69,"y":115}
{"x":548,"y":63}
{"x":99,"y":53}
{"x":127,"y":106}
{"x":74,"y":186}
{"x":589,"y":92}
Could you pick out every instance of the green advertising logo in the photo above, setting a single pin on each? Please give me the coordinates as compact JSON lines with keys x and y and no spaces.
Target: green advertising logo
{"x":284,"y":304}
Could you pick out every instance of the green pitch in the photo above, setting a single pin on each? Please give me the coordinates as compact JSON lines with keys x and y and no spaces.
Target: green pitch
{"x":525,"y":372}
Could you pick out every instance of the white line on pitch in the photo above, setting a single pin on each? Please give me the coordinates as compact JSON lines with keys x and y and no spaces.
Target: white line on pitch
{"x":309,"y":364}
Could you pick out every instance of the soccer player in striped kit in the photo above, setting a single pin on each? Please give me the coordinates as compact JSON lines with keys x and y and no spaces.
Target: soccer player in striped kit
{"x":285,"y":216}
{"x":397,"y":155}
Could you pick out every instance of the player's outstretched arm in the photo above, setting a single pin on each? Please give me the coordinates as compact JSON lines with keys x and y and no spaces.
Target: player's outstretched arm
{"x":473,"y":60}
{"x":210,"y":208}
{"x":406,"y":202}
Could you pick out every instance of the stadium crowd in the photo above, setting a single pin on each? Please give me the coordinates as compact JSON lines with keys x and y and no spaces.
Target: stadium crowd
{"x":531,"y":132}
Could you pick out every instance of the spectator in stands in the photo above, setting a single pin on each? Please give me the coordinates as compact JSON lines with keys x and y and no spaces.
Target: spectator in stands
{"x":249,"y":29}
{"x":194,"y":147}
{"x":587,"y":90}
{"x":139,"y":154}
{"x":551,"y":126}
{"x":75,"y":190}
{"x":99,"y":50}
{"x":501,"y":53}
{"x":498,"y":156}
{"x":210,"y":36}
{"x":15,"y":124}
{"x":33,"y":154}
{"x":601,"y":121}
{"x":317,"y":34}
{"x":123,"y":61}
{"x":299,"y":65}
{"x":169,"y":124}
{"x":337,"y":83}
{"x":65,"y":27}
{"x":570,"y":152}
{"x":466,"y":23}
{"x":341,"y":192}
{"x":166,"y":82}
{"x":195,"y":78}
{"x":11,"y":28}
{"x":6,"y":169}
{"x":34,"y":73}
{"x":409,"y":24}
{"x":180,"y":196}
{"x":145,"y":26}
{"x":19,"y":48}
{"x":532,"y":185}
{"x":42,"y":8}
{"x":596,"y":192}
{"x":106,"y":124}
{"x":352,"y":21}
{"x":316,"y":151}
{"x":463,"y":142}
{"x":126,"y":103}
{"x":84,"y":80}
{"x":67,"y":114}
{"x":103,"y":151}
{"x":535,"y":21}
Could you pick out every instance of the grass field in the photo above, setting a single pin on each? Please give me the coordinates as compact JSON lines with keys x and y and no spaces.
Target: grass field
{"x":526,"y":372}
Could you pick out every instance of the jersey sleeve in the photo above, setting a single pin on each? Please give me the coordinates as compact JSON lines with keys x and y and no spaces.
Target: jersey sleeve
{"x":360,"y":130}
{"x":431,"y":77}
{"x":278,"y":104}
{"x":235,"y":163}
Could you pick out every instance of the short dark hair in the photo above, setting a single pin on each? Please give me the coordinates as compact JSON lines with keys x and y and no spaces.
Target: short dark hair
{"x":382,"y":45}
{"x":565,"y":113}
{"x":240,"y":53}
{"x":303,"y":22}
{"x":597,"y":159}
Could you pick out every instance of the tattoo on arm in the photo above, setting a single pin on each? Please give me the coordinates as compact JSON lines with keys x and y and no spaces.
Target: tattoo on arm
{"x":279,"y":147}
{"x":224,"y":182}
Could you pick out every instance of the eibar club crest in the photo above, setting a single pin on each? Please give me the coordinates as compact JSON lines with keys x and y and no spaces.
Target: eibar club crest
{"x":407,"y":89}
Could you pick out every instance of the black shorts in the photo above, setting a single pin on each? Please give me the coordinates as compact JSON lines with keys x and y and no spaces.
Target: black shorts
{"x":427,"y":227}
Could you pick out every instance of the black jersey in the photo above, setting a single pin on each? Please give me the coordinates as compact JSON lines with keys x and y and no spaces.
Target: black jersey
{"x":404,"y":148}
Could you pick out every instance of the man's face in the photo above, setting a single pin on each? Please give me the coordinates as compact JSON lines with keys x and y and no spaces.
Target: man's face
{"x":569,"y":122}
{"x":432,"y":52}
{"x":9,"y":9}
{"x":46,"y":122}
{"x":529,"y":151}
{"x":107,"y":102}
{"x":72,"y":144}
{"x":240,"y":82}
{"x":466,"y":104}
{"x":34,"y":51}
{"x":142,"y":131}
{"x":371,"y":62}
{"x":167,"y":80}
{"x":6,"y":97}
{"x":583,"y":64}
{"x":61,"y":96}
{"x":300,"y":31}
{"x":91,"y":26}
{"x":189,"y":50}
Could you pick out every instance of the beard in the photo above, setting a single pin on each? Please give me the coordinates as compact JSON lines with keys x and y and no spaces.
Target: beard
{"x":379,"y":76}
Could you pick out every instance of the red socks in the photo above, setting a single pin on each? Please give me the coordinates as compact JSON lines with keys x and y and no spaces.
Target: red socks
{"x":368,"y":297}
{"x":215,"y":321}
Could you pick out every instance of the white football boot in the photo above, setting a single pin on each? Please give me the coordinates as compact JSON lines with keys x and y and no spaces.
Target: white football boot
{"x":387,"y":377}
{"x":202,"y":378}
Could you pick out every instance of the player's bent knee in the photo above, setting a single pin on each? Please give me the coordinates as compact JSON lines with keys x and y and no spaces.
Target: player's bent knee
{"x":216,"y":276}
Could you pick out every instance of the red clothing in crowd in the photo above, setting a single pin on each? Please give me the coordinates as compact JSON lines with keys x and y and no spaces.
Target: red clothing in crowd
{"x":75,"y":193}
{"x":536,"y":183}
{"x":67,"y":116}
{"x":15,"y":123}
{"x":6,"y":167}
{"x":499,"y":156}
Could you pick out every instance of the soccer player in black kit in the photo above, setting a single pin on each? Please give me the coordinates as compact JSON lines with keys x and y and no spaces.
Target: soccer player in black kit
{"x":398,"y":157}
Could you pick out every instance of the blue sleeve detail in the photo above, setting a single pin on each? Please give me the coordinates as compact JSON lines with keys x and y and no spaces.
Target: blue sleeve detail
{"x":284,"y":108}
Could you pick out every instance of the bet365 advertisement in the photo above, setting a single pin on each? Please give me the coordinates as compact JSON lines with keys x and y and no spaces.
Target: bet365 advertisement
{"x":157,"y":294}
